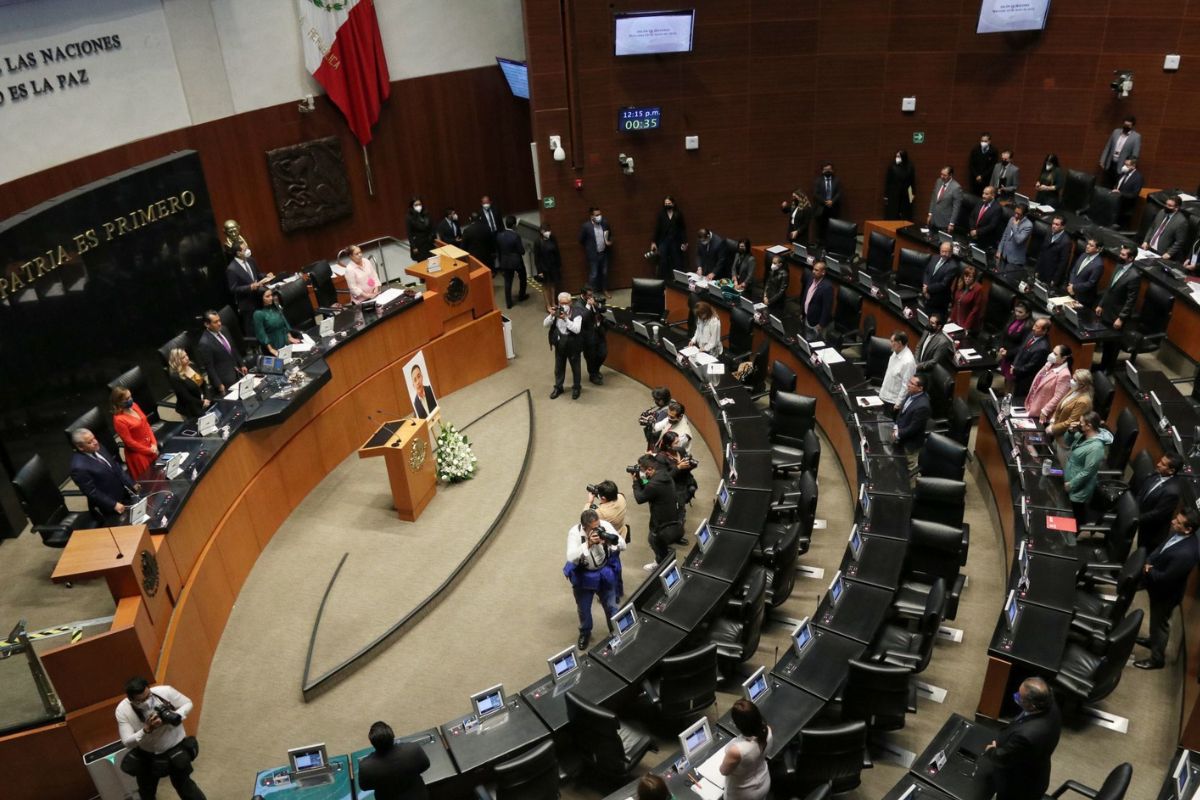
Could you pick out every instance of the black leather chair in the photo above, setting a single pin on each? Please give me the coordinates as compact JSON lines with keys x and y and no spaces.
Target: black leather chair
{"x":879,"y":695}
{"x":910,"y":273}
{"x":135,"y":381}
{"x":100,"y":424}
{"x":43,"y":503}
{"x":606,"y":744}
{"x":741,"y":334}
{"x":783,"y":379}
{"x":959,"y":422}
{"x":1124,"y":439}
{"x":1077,"y":191}
{"x":942,"y":457}
{"x":1111,"y":487}
{"x":736,"y":632}
{"x":649,"y":298}
{"x":1103,"y":208}
{"x":793,"y":498}
{"x":231,"y":326}
{"x":876,"y":355}
{"x":185,"y":340}
{"x":684,"y":685}
{"x":940,"y":500}
{"x":1109,"y":542}
{"x":1041,"y":232}
{"x":906,"y":646}
{"x":997,"y":309}
{"x":320,"y":277}
{"x":841,"y":240}
{"x":822,"y":792}
{"x":939,"y":384}
{"x":1102,"y":393}
{"x":297,"y":306}
{"x":792,"y":416}
{"x":779,"y":547}
{"x":1094,"y":616}
{"x":847,"y":316}
{"x":1114,"y":787}
{"x":881,"y":253}
{"x":1148,"y":328}
{"x":533,"y":775}
{"x":934,"y":551}
{"x":756,"y":380}
{"x":1087,"y":675}
{"x":836,"y":754}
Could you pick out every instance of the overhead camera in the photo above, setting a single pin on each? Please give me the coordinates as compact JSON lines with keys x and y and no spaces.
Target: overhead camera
{"x":1122,"y":82}
{"x":307,"y":104}
{"x":626,"y":163}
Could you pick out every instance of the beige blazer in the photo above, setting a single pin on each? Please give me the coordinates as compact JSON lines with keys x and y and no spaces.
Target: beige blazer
{"x":1070,"y":410}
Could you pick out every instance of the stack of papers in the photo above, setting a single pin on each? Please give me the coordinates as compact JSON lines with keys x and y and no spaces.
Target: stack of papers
{"x":869,"y":402}
{"x":1143,"y":254}
{"x":388,"y":296}
{"x":1042,"y":207}
{"x":950,"y":328}
{"x":710,"y":770}
{"x":1187,"y":198}
{"x":776,"y":249}
{"x":970,"y":354}
{"x":708,"y":791}
{"x":1055,"y":302}
{"x":829,"y":356}
{"x":703,"y":359}
{"x":689,"y":351}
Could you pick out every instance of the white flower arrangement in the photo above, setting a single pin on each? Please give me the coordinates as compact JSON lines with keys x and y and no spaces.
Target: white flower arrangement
{"x":455,"y":461}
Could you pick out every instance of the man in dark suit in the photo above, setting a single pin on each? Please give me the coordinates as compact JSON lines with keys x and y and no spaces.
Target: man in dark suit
{"x":479,"y":241}
{"x":1165,"y":578}
{"x":1157,"y":501}
{"x":1016,"y":764}
{"x":596,"y":237}
{"x":713,"y":255}
{"x":1054,"y":259}
{"x":101,"y":478}
{"x":1168,"y":233}
{"x":1128,"y":186}
{"x":1082,"y":280}
{"x":1006,"y":176}
{"x":490,"y":216}
{"x":448,"y":230}
{"x":1030,"y":357}
{"x":394,"y":770}
{"x":827,"y":198}
{"x":940,"y":273}
{"x":981,"y":162}
{"x":510,"y":256}
{"x":1124,"y":142}
{"x":776,"y":286}
{"x":218,"y":355}
{"x":818,"y":298}
{"x":987,"y":221}
{"x":245,"y":283}
{"x":911,"y":419}
{"x":1116,"y":304}
{"x":935,"y":346}
{"x":595,"y":341}
{"x":424,"y":400}
{"x":1014,"y":244}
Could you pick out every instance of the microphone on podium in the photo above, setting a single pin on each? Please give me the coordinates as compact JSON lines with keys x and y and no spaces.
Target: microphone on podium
{"x":116,"y":544}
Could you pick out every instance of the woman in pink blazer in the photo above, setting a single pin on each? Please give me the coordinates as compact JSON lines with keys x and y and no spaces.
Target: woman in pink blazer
{"x":1050,"y":385}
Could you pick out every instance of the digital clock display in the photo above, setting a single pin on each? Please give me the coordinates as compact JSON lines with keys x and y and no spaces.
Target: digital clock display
{"x":639,"y":118}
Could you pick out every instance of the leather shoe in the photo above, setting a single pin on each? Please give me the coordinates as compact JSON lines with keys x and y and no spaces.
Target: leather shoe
{"x":584,"y":638}
{"x":1147,"y":663}
{"x":557,"y":391}
{"x":1142,"y":641}
{"x":596,"y":379}
{"x":575,"y":393}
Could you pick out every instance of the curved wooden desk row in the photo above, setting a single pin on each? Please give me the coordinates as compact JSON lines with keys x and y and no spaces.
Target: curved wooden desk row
{"x":230,"y":516}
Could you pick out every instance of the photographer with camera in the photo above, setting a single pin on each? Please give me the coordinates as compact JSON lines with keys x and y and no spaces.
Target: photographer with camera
{"x":150,"y":723}
{"x":595,"y":343}
{"x":679,"y":466}
{"x":605,"y":500}
{"x":652,"y":484}
{"x":592,"y":548}
{"x":676,"y":422}
{"x":656,"y":413}
{"x":565,"y":322}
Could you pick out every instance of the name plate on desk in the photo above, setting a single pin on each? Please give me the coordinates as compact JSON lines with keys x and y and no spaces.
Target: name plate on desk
{"x":207,"y":424}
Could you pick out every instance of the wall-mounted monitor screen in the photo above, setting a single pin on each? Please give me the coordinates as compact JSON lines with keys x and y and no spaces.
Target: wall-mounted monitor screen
{"x":517,"y":75}
{"x":652,"y":32}
{"x":639,"y":118}
{"x":1009,"y":16}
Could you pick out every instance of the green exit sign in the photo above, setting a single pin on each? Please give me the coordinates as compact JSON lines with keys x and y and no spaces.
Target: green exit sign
{"x":547,"y":202}
{"x":918,"y":137}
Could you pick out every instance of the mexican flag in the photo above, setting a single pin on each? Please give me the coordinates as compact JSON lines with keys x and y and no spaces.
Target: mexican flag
{"x":343,"y":51}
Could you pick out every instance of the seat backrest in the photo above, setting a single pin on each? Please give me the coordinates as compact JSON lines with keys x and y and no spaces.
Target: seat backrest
{"x":911,"y":270}
{"x":793,"y":417}
{"x":1041,"y":232}
{"x":185,"y":340}
{"x":134,"y":380}
{"x":961,"y":419}
{"x":841,"y":238}
{"x":648,"y":297}
{"x":876,"y":693}
{"x":881,"y":252}
{"x":812,"y":453}
{"x":1077,"y":191}
{"x":968,"y":210}
{"x":1117,"y":783}
{"x":940,"y":500}
{"x":935,"y":604}
{"x":296,"y":304}
{"x":1129,"y":580}
{"x":1102,"y":394}
{"x":1157,"y":306}
{"x":231,"y":324}
{"x":39,"y":496}
{"x":943,"y":457}
{"x":999,"y":306}
{"x":783,"y":378}
{"x":1142,"y":468}
{"x":754,"y":609}
{"x":758,"y":376}
{"x":1124,"y":438}
{"x":1120,"y":645}
{"x":941,"y":390}
{"x":533,"y":775}
{"x":100,"y":424}
{"x":877,"y":354}
{"x":783,"y":578}
{"x":1103,"y":206}
{"x":741,"y":330}
{"x":688,"y":680}
{"x":1120,"y":537}
{"x":596,"y":731}
{"x":320,"y":277}
{"x":934,"y":550}
{"x":832,"y":754}
{"x":849,"y":308}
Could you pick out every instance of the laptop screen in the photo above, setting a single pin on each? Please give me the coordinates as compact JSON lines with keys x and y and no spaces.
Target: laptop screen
{"x":489,"y":701}
{"x":1183,"y":774}
{"x":801,"y":636}
{"x":1010,"y":610}
{"x":671,"y":579}
{"x":856,"y":543}
{"x":563,"y":664}
{"x":756,"y":685}
{"x":704,"y":536}
{"x":835,"y":588}
{"x":626,"y":618}
{"x":312,"y":758}
{"x":723,"y":496}
{"x":695,"y":737}
{"x":864,"y":499}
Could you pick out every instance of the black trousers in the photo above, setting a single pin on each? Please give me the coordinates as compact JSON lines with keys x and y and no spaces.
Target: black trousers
{"x":1109,"y":351}
{"x":566,"y":352}
{"x":662,"y":537}
{"x":508,"y":281}
{"x":595,"y":350}
{"x":1160,"y":629}
{"x":185,"y":787}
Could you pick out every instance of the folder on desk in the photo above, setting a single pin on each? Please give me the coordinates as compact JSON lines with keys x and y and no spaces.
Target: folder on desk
{"x":1066,"y":524}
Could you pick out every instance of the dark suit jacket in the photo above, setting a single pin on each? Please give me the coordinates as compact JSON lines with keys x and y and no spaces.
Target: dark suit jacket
{"x":218,"y":365}
{"x":775,"y":289}
{"x":396,"y":774}
{"x":588,"y":239}
{"x":239,"y":285}
{"x":104,"y":485}
{"x":669,"y":231}
{"x":449,"y":231}
{"x":1118,"y":299}
{"x":1018,"y":767}
{"x":479,"y":242}
{"x":1156,"y":511}
{"x":497,"y":216}
{"x":1030,"y":356}
{"x":1084,"y":280}
{"x":420,"y":234}
{"x":423,"y":405}
{"x":1169,"y":570}
{"x":714,"y":257}
{"x":819,"y":197}
{"x":940,"y":350}
{"x":990,"y":226}
{"x":940,"y":285}
{"x":820,"y":310}
{"x":1133,"y":184}
{"x":511,"y":251}
{"x":981,"y":164}
{"x":1173,"y":237}
{"x":1054,"y":260}
{"x":911,"y":421}
{"x":189,"y":398}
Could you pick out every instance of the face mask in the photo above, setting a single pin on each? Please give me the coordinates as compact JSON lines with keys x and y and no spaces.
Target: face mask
{"x":247,"y":254}
{"x":1016,"y":696}
{"x":899,"y":160}
{"x":1049,"y":166}
{"x":597,"y":219}
{"x":775,"y":265}
{"x":565,"y":306}
{"x":417,"y":208}
{"x":486,"y":206}
{"x":669,"y":208}
{"x":1074,"y":383}
{"x":545,"y":234}
{"x":1124,"y":169}
{"x":983,"y":145}
{"x":1127,"y":128}
{"x":454,"y":217}
{"x":1052,"y":359}
{"x":127,"y":403}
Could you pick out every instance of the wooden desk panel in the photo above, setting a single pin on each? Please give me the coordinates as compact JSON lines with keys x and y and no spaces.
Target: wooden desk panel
{"x":45,"y":762}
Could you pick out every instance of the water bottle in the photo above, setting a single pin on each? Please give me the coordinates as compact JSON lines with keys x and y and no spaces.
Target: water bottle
{"x":1005,"y":406}
{"x":1046,"y":466}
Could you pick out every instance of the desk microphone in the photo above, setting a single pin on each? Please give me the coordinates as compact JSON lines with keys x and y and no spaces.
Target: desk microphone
{"x":115,"y":543}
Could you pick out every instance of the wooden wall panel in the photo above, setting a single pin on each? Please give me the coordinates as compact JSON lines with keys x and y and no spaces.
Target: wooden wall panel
{"x":96,"y":725}
{"x":773,"y":87}
{"x":44,"y":762}
{"x":450,"y":137}
{"x":87,"y":672}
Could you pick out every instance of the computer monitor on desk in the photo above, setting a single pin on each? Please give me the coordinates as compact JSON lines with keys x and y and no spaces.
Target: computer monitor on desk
{"x":756,"y":686}
{"x":945,"y":237}
{"x":894,"y":298}
{"x":800,"y":250}
{"x":1132,"y":373}
{"x":836,"y":587}
{"x":777,"y":325}
{"x":979,"y":255}
{"x":640,"y":329}
{"x":864,"y":499}
{"x":683,"y":277}
{"x":695,"y":738}
{"x":802,"y":636}
{"x":624,"y":622}
{"x":1182,"y":775}
{"x":488,"y":702}
{"x":563,"y":665}
{"x":670,"y":348}
{"x":856,"y":543}
{"x":1010,"y":611}
{"x":746,"y":303}
{"x":671,"y":579}
{"x":704,"y":536}
{"x":311,"y":761}
{"x":723,"y":496}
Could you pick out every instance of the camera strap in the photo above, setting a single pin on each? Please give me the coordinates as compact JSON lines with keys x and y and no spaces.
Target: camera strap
{"x":141,"y":715}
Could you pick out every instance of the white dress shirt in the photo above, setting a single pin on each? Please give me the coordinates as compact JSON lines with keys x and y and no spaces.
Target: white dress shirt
{"x":683,"y":433}
{"x":363,"y":281}
{"x":901,"y":366}
{"x":164,"y":737}
{"x":590,"y":556}
{"x":565,"y":326}
{"x":708,"y":335}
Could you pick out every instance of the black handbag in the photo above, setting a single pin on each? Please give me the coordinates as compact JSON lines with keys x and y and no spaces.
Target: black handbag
{"x":135,"y":762}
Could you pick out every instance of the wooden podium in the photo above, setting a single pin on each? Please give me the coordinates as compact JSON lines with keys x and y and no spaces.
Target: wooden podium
{"x":411,"y":465}
{"x":450,"y":279}
{"x":131,"y":571}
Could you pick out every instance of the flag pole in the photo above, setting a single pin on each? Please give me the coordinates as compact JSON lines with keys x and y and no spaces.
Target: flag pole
{"x":367,"y":164}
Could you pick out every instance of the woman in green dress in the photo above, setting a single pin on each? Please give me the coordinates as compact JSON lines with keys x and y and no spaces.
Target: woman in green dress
{"x":271,"y":327}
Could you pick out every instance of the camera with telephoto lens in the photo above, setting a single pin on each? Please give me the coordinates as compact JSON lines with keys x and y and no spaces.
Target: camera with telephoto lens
{"x":633,"y":470}
{"x":609,"y":538}
{"x":169,"y":716}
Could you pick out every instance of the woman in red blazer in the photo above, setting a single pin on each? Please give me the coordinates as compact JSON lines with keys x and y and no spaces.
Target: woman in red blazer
{"x":967,"y":309}
{"x":141,"y":448}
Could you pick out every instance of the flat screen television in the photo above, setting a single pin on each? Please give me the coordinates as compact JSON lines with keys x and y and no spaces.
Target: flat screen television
{"x":647,"y":33}
{"x":517,"y":75}
{"x":1006,"y":16}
